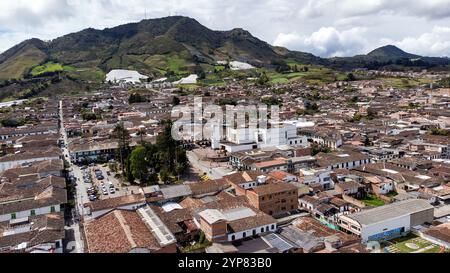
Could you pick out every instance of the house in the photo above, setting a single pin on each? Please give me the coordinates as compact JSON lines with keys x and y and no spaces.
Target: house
{"x":439,"y":235}
{"x":128,"y":231}
{"x":342,"y":160}
{"x":180,"y":222}
{"x":40,"y":169}
{"x":93,"y":151}
{"x":127,"y":202}
{"x":274,"y":198}
{"x":6,"y":133}
{"x":29,"y":156}
{"x":32,"y":198}
{"x":235,"y":224}
{"x":283,"y":176}
{"x":351,"y":188}
{"x":35,"y":234}
{"x":326,"y":138}
{"x":317,"y":176}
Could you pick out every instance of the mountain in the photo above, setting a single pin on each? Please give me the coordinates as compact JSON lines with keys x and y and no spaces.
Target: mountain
{"x":150,"y":46}
{"x":176,"y":44}
{"x":391,"y":52}
{"x":16,"y":62}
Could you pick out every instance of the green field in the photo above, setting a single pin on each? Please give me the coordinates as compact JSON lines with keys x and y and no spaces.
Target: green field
{"x":47,"y":68}
{"x":404,"y":83}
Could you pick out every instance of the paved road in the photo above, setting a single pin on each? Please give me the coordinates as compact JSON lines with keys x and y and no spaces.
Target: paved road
{"x":206,"y":167}
{"x":80,"y":188}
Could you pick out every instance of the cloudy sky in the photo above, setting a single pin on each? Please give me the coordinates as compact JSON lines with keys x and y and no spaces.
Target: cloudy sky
{"x":323,"y":27}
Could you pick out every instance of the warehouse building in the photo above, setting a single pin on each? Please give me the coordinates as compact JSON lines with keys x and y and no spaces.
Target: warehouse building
{"x":387,"y":222}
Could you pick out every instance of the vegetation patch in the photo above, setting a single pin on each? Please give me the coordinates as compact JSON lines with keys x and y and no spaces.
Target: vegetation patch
{"x":372,"y":201}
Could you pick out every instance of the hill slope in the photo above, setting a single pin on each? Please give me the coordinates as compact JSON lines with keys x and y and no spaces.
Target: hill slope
{"x":391,"y":52}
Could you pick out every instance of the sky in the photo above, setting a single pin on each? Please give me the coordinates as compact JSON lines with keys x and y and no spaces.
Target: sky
{"x":325,"y":28}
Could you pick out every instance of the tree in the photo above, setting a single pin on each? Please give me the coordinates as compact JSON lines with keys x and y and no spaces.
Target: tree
{"x":176,"y":101}
{"x":123,"y":138}
{"x":263,"y":79}
{"x":367,"y":142}
{"x":350,"y":77}
{"x":164,"y":175}
{"x":139,"y":164}
{"x":200,"y":72}
{"x":136,"y":98}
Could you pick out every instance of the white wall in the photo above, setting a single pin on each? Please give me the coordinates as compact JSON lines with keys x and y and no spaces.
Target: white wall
{"x":384,"y":226}
{"x":249,"y":233}
{"x":27,"y":213}
{"x":12,"y":164}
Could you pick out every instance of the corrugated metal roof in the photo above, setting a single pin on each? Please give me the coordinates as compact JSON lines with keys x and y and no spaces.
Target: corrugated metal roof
{"x":390,"y":211}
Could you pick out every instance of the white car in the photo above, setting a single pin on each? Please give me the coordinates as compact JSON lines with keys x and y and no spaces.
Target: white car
{"x":112,"y":191}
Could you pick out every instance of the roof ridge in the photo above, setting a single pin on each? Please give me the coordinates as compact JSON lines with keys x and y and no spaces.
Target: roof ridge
{"x":126,"y":228}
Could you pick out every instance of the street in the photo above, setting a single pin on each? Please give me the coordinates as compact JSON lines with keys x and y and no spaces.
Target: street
{"x":80,"y":188}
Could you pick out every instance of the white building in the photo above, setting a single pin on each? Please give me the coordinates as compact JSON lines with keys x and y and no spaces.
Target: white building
{"x":389,"y":221}
{"x":242,"y":139}
{"x":317,"y":176}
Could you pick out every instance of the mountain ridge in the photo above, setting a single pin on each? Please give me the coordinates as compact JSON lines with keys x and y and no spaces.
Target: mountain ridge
{"x":156,"y":46}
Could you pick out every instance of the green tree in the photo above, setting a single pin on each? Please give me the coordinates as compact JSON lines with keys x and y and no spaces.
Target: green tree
{"x":350,"y":77}
{"x":164,"y":175}
{"x":263,"y":79}
{"x":139,"y":163}
{"x":123,"y":139}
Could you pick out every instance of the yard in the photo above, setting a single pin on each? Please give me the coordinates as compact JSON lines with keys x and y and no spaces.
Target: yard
{"x":412,"y":244}
{"x":373,"y":201}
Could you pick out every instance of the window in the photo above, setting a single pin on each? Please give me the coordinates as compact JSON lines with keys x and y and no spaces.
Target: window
{"x":233,"y":238}
{"x":244,"y":234}
{"x":262,"y":229}
{"x":254,"y":232}
{"x":267,"y":229}
{"x":33,"y":212}
{"x":273,"y":227}
{"x":13,"y":216}
{"x":52,"y":209}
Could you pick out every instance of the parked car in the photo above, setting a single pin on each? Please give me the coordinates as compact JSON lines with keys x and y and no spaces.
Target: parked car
{"x":83,"y":167}
{"x":105,"y":192}
{"x":92,"y":198}
{"x":112,"y":190}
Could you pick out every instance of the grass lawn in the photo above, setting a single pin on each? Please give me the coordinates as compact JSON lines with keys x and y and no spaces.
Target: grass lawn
{"x":373,"y":201}
{"x":279,"y":80}
{"x":412,"y":244}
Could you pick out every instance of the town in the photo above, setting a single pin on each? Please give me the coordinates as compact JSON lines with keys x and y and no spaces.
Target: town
{"x":361,"y":165}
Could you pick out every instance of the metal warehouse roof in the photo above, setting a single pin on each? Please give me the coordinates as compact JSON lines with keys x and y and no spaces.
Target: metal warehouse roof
{"x":390,"y":211}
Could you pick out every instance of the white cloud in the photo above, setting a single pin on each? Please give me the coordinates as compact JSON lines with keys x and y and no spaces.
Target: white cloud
{"x":434,"y":43}
{"x":327,"y":41}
